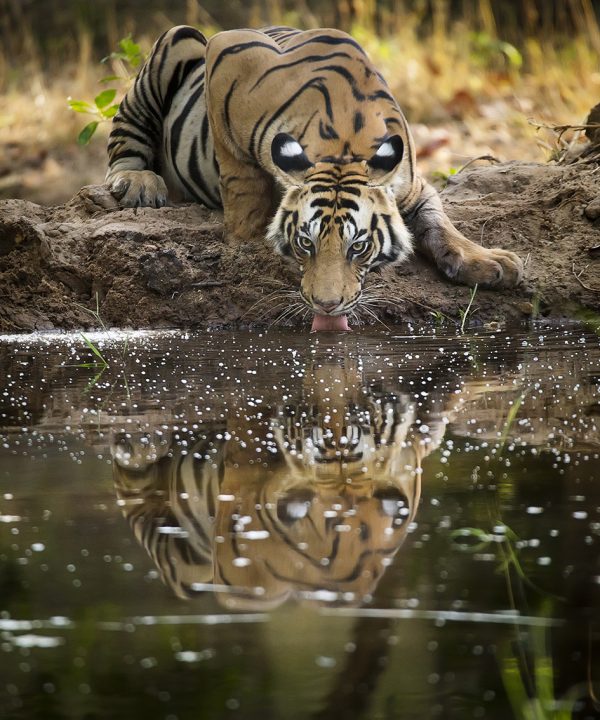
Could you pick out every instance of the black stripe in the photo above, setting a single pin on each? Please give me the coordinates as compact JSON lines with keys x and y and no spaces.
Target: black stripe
{"x":347,"y":204}
{"x":143,"y":101}
{"x":195,"y":173}
{"x":347,"y":75}
{"x":359,"y":121}
{"x":240,"y":47}
{"x":327,"y":132}
{"x":185,"y":32}
{"x":315,"y":83}
{"x":322,"y":188}
{"x":305,"y":128}
{"x":328,"y":40}
{"x":204,"y":133}
{"x":124,"y":132}
{"x":226,"y":116}
{"x":300,"y":61}
{"x":178,"y":77}
{"x":131,"y":153}
{"x":321,"y":202}
{"x":161,"y":64}
{"x":176,"y":137}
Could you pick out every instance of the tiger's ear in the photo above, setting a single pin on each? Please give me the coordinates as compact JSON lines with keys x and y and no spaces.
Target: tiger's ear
{"x":387,"y":158}
{"x":289,"y":157}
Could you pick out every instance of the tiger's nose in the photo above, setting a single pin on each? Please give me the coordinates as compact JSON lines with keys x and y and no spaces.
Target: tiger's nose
{"x":326,"y":305}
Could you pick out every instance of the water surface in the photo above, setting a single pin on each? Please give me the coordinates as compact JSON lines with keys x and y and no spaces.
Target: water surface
{"x":372,"y":525}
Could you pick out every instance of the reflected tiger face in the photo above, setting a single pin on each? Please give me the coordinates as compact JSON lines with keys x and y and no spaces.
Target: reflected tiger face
{"x":317,"y":515}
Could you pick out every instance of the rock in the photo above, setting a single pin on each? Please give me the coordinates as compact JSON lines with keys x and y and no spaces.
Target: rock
{"x":592,"y":210}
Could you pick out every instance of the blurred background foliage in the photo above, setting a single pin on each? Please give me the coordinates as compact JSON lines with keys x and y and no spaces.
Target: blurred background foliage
{"x":468,"y":73}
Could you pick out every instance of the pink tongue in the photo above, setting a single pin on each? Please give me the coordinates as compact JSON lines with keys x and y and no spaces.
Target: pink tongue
{"x":329,"y":322}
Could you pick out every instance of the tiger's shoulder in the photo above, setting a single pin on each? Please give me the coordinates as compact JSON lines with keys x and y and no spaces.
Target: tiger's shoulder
{"x":320,"y":85}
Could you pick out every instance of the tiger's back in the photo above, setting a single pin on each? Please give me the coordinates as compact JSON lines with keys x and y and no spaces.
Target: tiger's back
{"x":258,"y":83}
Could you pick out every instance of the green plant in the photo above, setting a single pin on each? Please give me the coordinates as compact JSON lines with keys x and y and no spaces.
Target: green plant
{"x":510,"y":418}
{"x":443,"y":176}
{"x":102,"y":360}
{"x":438,"y":316}
{"x":464,"y":314}
{"x":491,"y":52}
{"x":103,"y":108}
{"x":102,"y":364}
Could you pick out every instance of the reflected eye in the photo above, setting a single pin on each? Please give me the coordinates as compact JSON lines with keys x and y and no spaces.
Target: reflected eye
{"x":304,"y":243}
{"x":359,"y":247}
{"x":394,"y":504}
{"x":294,"y":506}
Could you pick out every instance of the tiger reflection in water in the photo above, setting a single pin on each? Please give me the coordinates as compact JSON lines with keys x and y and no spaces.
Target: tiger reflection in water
{"x":310,"y":500}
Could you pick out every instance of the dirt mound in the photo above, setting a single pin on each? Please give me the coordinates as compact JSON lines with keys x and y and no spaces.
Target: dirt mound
{"x":173,"y":267}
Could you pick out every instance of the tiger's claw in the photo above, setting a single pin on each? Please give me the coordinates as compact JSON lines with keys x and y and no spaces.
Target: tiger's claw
{"x":138,"y":188}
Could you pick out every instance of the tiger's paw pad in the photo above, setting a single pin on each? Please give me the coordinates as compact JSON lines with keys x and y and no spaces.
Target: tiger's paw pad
{"x":491,"y":268}
{"x":139,"y":188}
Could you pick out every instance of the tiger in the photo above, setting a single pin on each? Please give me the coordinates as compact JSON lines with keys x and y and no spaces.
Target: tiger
{"x":297,"y":137}
{"x":316,"y":517}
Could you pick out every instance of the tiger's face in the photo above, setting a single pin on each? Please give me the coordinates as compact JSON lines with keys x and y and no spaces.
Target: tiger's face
{"x":338,"y":220}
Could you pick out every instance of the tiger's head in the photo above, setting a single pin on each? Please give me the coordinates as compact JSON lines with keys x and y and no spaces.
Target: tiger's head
{"x":338,"y":219}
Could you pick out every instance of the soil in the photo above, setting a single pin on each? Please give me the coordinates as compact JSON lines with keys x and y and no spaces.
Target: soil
{"x":174,"y":267}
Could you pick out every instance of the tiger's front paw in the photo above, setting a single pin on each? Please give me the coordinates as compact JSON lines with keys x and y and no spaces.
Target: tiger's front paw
{"x":138,"y":188}
{"x":486,"y":267}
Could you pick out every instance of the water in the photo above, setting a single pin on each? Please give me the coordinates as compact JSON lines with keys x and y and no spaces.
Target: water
{"x":374,"y":525}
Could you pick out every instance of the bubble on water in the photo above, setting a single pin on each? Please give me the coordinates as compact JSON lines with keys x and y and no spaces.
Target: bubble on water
{"x":241,"y":561}
{"x":36,"y":641}
{"x":192,"y":656}
{"x":254,"y":534}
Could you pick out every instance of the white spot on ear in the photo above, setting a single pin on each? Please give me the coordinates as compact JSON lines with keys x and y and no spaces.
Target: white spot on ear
{"x":291,"y":149}
{"x":385,"y":149}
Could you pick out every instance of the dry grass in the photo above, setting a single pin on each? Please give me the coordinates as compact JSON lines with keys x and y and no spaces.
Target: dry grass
{"x":463,"y":91}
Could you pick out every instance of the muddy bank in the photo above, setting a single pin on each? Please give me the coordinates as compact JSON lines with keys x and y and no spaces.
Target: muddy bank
{"x":173,"y":267}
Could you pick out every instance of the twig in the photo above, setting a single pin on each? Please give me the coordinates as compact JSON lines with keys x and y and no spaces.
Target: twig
{"x":562,"y":129}
{"x":489,"y":158}
{"x":209,"y":283}
{"x":580,"y":281}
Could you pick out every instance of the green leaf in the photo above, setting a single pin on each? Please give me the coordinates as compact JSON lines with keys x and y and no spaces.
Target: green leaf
{"x":86,"y":134}
{"x":510,"y":418}
{"x":110,"y":78}
{"x":94,"y":349}
{"x":110,"y":111}
{"x":105,"y":98}
{"x":482,"y":538}
{"x":514,"y":57}
{"x":81,"y":106}
{"x":132,"y":50}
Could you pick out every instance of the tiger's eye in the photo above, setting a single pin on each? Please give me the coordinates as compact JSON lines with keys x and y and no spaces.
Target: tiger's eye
{"x":359,"y":247}
{"x":304,"y":243}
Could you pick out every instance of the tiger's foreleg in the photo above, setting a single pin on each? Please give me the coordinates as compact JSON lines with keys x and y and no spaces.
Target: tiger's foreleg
{"x":137,"y":135}
{"x":457,"y":257}
{"x":246,"y":194}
